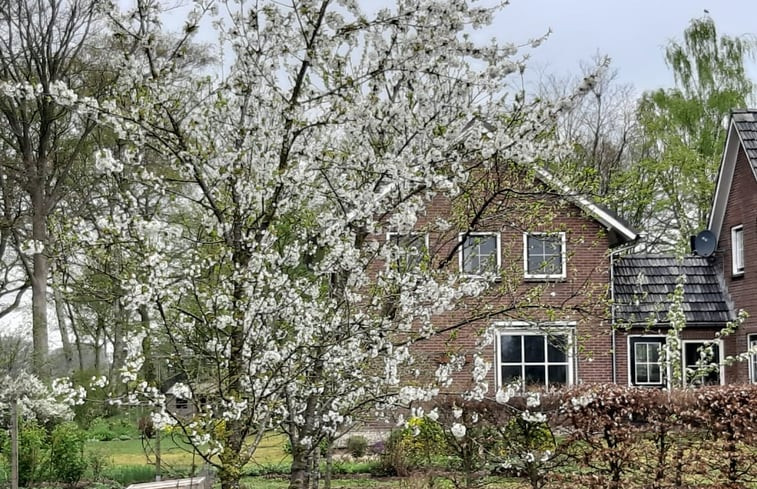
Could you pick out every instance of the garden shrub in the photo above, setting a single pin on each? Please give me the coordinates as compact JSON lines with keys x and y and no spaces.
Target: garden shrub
{"x":67,"y":461}
{"x":97,"y":463}
{"x":624,"y":437}
{"x":357,"y":446}
{"x":100,"y":430}
{"x":32,"y":439}
{"x":413,"y":447}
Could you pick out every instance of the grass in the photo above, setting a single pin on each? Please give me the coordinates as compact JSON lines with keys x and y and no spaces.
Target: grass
{"x":175,"y":453}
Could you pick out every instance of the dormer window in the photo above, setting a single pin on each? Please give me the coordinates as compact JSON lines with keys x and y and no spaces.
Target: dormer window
{"x":544,"y":255}
{"x":737,"y":251}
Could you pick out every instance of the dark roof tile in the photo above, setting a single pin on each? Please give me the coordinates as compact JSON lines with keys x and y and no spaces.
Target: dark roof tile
{"x":644,"y":286}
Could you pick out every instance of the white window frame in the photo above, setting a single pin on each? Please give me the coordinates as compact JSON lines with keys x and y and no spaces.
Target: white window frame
{"x":461,"y":240}
{"x":523,"y":328}
{"x":721,"y":358}
{"x":631,"y":363}
{"x":751,"y":341}
{"x":393,"y":234}
{"x":563,"y":257}
{"x":737,"y":251}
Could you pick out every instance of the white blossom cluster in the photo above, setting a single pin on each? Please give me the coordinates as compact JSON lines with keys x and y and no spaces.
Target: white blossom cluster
{"x":37,"y":400}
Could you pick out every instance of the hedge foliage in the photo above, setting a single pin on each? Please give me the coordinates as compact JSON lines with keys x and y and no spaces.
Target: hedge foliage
{"x":598,"y":436}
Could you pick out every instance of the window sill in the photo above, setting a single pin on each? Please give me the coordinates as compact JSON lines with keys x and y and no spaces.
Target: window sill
{"x":544,"y":278}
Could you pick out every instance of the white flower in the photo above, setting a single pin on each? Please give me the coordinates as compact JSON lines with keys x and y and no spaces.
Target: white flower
{"x":503,"y":397}
{"x":433,"y":415}
{"x":581,"y":401}
{"x":457,"y":412}
{"x":533,"y":400}
{"x":458,"y":430}
{"x":530,"y":417}
{"x":106,"y":163}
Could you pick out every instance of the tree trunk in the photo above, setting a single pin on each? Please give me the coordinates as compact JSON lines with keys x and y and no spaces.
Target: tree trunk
{"x":329,"y":465}
{"x":40,"y":269}
{"x":298,"y":478}
{"x":14,"y":444}
{"x":68,"y":353}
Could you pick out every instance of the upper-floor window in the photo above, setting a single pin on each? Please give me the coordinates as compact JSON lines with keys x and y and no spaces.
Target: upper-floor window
{"x":544,"y":255}
{"x":536,"y":357}
{"x":737,"y":250}
{"x":479,"y":253}
{"x":412,"y":249}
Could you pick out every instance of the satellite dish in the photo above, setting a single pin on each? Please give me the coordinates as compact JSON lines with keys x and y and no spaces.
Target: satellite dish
{"x":705,"y":243}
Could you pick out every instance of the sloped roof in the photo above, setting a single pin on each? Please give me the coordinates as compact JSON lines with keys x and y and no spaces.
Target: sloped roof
{"x":619,"y":231}
{"x":745,"y":122}
{"x":644,"y":285}
{"x":742,"y":132}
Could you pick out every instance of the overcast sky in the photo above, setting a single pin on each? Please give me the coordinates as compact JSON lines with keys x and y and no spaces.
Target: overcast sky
{"x":632,"y":32}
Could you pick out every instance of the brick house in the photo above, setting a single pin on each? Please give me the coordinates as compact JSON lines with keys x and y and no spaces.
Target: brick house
{"x":733,"y":220}
{"x":643,"y":291}
{"x":573,"y":306}
{"x":549,"y":308}
{"x":716,"y":286}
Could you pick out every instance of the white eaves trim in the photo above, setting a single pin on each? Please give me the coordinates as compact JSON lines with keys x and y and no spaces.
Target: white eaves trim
{"x":725,"y":178}
{"x":601,"y":215}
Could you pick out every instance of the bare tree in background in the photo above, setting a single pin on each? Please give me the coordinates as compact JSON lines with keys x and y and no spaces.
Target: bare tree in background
{"x":601,"y":127}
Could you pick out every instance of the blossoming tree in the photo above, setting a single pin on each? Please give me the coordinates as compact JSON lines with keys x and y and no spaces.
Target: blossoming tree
{"x":273,"y":290}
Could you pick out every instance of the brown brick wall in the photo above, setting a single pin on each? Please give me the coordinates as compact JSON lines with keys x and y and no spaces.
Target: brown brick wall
{"x":741,"y":210}
{"x":580,"y":298}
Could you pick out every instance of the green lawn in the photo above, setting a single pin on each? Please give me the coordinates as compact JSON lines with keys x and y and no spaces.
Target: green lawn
{"x":175,"y":453}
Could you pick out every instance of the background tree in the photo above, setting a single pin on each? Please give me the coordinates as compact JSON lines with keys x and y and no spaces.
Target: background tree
{"x":40,"y":46}
{"x":670,"y":188}
{"x":601,"y":128}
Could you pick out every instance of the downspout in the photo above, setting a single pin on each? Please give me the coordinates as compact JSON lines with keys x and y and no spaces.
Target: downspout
{"x":613,"y":253}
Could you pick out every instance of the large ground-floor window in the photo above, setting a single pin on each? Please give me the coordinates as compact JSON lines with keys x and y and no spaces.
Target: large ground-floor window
{"x":536,"y":356}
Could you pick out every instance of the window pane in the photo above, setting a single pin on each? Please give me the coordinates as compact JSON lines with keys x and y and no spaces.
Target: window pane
{"x":641,"y":352}
{"x":534,"y":348}
{"x":642,"y":374}
{"x":552,"y":245}
{"x":535,"y":263}
{"x":510,"y":348}
{"x":655,"y":374}
{"x":653,"y":352}
{"x":534,"y":245}
{"x":536,"y":375}
{"x":544,"y":254}
{"x":480,"y":254}
{"x":702,"y":366}
{"x":488,"y":245}
{"x":557,"y":348}
{"x":558,"y":374}
{"x":511,"y":373}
